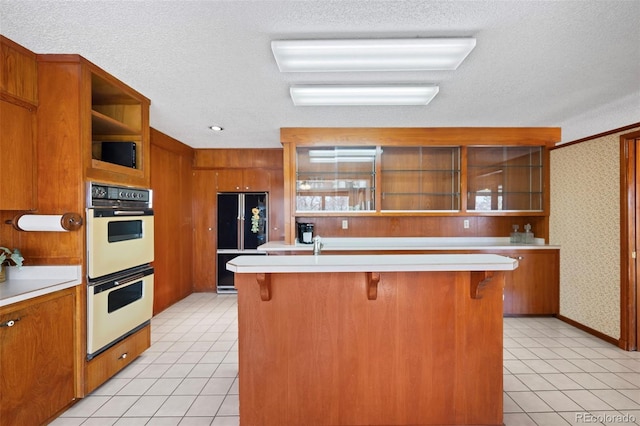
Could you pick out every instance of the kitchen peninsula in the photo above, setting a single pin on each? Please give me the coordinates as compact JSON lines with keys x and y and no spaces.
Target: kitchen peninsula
{"x":388,"y":339}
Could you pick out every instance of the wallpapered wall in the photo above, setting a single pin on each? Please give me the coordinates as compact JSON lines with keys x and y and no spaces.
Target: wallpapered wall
{"x":585,"y":222}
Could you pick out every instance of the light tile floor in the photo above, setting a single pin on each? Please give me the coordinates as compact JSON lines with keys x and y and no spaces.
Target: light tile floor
{"x":554,"y":374}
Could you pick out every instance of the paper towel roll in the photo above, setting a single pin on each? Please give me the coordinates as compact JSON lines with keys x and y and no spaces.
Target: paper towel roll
{"x":48,"y":222}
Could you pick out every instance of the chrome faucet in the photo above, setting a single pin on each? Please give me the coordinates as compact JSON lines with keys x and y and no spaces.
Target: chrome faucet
{"x":317,"y":245}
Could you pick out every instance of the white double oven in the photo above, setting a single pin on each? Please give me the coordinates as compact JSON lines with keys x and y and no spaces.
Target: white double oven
{"x":119,"y":252}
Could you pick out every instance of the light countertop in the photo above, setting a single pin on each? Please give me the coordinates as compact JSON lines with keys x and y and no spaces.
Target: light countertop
{"x":371,"y":263}
{"x":401,"y":243}
{"x":33,"y":281}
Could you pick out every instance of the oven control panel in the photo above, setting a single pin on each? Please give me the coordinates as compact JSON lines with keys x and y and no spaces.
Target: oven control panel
{"x":103,"y":195}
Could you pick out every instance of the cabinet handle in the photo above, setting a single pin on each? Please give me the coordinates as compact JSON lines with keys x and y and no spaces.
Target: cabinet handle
{"x":123,"y":356}
{"x":10,"y":323}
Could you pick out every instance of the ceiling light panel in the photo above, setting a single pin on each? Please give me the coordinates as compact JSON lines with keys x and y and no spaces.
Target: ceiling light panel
{"x":325,"y":95}
{"x":414,"y":54}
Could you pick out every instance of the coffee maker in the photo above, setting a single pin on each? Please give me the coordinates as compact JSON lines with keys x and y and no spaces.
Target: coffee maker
{"x":305,"y":232}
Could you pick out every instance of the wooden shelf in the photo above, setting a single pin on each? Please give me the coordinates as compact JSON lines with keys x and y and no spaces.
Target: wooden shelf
{"x":103,"y":125}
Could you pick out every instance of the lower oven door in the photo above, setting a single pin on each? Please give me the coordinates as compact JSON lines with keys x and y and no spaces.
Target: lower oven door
{"x":118,"y":240}
{"x":116,"y":308}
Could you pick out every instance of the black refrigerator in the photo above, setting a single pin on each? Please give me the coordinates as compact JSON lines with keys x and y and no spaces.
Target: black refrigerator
{"x":242,"y":227}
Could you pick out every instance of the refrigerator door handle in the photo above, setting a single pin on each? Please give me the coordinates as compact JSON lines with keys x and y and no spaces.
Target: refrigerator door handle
{"x":240,"y":222}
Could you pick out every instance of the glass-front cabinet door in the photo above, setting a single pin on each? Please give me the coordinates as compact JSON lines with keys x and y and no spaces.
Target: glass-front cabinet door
{"x":335,"y":179}
{"x":420,"y":178}
{"x":505,"y":178}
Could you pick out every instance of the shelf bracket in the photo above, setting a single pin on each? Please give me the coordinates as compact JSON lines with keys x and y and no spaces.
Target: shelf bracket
{"x":479,"y":280}
{"x":373,"y":278}
{"x":264,"y":281}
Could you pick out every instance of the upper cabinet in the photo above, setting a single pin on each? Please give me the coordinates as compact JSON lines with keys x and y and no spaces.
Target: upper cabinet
{"x":411,"y":171}
{"x":505,"y":178}
{"x":18,"y":73}
{"x":18,"y":106}
{"x":242,"y":180}
{"x":105,"y":121}
{"x":335,"y":179}
{"x":119,"y":123}
{"x":420,"y":178}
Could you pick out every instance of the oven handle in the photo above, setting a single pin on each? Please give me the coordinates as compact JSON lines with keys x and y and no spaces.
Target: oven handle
{"x":128,"y":212}
{"x":128,"y":280}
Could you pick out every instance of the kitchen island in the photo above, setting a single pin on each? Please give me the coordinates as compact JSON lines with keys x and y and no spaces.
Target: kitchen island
{"x":370,"y":339}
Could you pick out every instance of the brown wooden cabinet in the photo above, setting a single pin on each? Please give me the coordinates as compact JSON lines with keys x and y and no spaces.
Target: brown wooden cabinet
{"x":533,"y":288}
{"x":18,"y":104}
{"x":416,"y":172}
{"x":204,"y":204}
{"x":82,"y":107}
{"x":17,"y":157}
{"x":18,"y":73}
{"x":243,"y":180}
{"x":171,"y":183}
{"x":37,"y":369}
{"x":104,"y":366}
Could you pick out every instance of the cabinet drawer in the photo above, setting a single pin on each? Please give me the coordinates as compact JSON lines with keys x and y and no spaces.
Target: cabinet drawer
{"x":104,"y":366}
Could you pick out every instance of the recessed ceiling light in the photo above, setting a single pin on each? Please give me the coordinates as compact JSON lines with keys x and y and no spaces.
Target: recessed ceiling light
{"x":390,"y":94}
{"x":413,"y":54}
{"x":216,"y":128}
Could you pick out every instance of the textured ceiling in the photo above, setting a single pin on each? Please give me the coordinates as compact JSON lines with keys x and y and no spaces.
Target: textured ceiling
{"x":569,"y":64}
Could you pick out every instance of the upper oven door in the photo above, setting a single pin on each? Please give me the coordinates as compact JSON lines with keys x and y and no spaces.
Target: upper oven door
{"x":118,"y":240}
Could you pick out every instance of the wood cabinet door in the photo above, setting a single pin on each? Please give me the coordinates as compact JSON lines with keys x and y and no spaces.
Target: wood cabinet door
{"x":229,"y":180}
{"x":173,"y":245}
{"x":17,"y":153}
{"x":256,"y":180}
{"x":37,"y":360}
{"x":242,"y":180}
{"x":204,"y":229}
{"x":533,"y":288}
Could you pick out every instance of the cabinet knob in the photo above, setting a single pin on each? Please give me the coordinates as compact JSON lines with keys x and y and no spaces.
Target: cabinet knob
{"x":516,"y":257}
{"x":123,"y":356}
{"x":10,"y":323}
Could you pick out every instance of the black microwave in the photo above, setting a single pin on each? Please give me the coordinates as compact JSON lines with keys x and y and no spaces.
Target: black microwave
{"x":121,"y":153}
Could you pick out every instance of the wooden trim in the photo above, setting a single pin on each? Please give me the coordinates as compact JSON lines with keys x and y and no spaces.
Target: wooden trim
{"x":23,"y":50}
{"x":21,"y":102}
{"x":589,"y":330}
{"x":386,"y":136}
{"x":597,"y":136}
{"x":164,"y":141}
{"x":628,"y":218}
{"x":233,"y":158}
{"x":103,"y":74}
{"x":289,"y":179}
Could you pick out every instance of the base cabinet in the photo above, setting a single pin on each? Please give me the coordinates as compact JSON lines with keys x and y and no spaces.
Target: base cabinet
{"x":533,"y":288}
{"x":104,"y":366}
{"x":37,"y":358}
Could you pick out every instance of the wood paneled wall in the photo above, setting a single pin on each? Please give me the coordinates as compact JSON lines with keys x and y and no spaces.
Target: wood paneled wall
{"x":171,"y":183}
{"x":261,"y":170}
{"x":425,"y":226}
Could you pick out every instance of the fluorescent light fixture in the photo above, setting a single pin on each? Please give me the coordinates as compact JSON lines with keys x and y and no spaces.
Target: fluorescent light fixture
{"x":393,"y":94}
{"x":341,"y":152}
{"x":341,"y":155}
{"x":415,"y":54}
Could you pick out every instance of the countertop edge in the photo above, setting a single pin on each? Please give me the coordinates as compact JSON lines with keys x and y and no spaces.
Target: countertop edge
{"x":39,"y":292}
{"x":373,"y":263}
{"x":33,"y":281}
{"x":408,"y":244}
